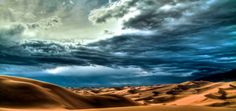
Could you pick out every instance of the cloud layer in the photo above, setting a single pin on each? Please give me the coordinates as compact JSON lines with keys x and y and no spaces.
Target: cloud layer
{"x":167,"y":39}
{"x":167,"y":15}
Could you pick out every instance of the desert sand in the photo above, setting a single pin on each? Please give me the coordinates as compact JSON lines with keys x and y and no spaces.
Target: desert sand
{"x":21,"y":94}
{"x":197,"y":93}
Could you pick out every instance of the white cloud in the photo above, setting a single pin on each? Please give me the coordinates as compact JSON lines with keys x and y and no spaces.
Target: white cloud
{"x":97,"y":70}
{"x":55,"y":19}
{"x":93,"y":70}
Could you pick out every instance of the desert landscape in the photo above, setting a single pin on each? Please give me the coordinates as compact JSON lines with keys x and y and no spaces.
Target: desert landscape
{"x":21,"y":94}
{"x":117,"y":55}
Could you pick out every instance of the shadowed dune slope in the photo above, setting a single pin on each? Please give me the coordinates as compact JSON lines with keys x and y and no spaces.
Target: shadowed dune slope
{"x":26,"y":93}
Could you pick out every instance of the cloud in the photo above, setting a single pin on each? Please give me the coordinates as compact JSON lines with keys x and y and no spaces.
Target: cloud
{"x":182,"y":30}
{"x":11,"y":34}
{"x":94,"y":70}
{"x":115,"y":10}
{"x":184,"y":53}
{"x":196,"y":37}
{"x":54,"y":20}
{"x":15,"y":33}
{"x":45,"y":24}
{"x":167,"y":15}
{"x":90,"y":76}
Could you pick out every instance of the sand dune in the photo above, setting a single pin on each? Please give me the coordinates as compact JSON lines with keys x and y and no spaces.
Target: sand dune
{"x":138,"y":108}
{"x":164,"y":108}
{"x":20,"y":94}
{"x":26,"y":93}
{"x":197,"y":93}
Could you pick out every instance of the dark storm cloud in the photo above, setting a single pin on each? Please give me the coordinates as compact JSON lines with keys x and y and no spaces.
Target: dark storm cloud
{"x":165,"y":15}
{"x":207,"y":51}
{"x":44,"y":52}
{"x":181,"y":55}
{"x":189,"y":35}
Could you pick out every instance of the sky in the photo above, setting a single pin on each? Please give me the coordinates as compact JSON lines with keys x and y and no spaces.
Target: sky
{"x":103,"y":43}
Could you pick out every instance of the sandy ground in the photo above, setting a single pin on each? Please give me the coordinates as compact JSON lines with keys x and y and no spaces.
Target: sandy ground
{"x":138,"y":108}
{"x":197,"y":93}
{"x":26,"y":93}
{"x":20,"y":94}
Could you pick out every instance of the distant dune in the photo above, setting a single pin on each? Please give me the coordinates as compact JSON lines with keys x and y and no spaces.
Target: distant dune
{"x":226,"y":76}
{"x":20,"y":94}
{"x":194,"y":93}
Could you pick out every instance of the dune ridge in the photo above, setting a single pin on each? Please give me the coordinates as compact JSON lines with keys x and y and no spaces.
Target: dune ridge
{"x":26,"y":93}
